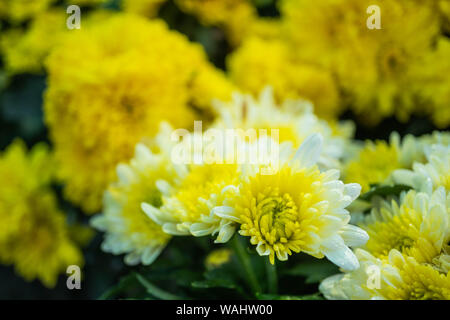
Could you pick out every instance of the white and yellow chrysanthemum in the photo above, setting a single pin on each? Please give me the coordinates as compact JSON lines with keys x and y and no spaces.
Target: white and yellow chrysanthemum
{"x":296,"y":209}
{"x":398,"y":278}
{"x":128,"y":230}
{"x":294,"y":120}
{"x":407,"y":255}
{"x":375,"y":161}
{"x":187,"y":203}
{"x":418,"y":226}
{"x":430,"y":176}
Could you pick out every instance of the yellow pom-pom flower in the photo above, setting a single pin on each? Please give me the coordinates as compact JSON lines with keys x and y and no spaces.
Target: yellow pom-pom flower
{"x":24,"y":51}
{"x":17,"y":11}
{"x":372,"y":65}
{"x":104,"y":96}
{"x":34,"y":236}
{"x":289,"y":78}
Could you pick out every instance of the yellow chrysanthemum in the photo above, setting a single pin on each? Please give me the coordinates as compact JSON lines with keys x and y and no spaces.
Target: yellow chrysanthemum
{"x":128,"y":229}
{"x":34,"y":236}
{"x":377,"y":160}
{"x":234,"y":16}
{"x":24,"y":51}
{"x":418,"y":226}
{"x":296,"y":209}
{"x":104,"y":96}
{"x":218,"y":257}
{"x":147,"y":8}
{"x":293,"y":119}
{"x":372,"y":66}
{"x":289,"y":78}
{"x":17,"y":11}
{"x":433,"y":83}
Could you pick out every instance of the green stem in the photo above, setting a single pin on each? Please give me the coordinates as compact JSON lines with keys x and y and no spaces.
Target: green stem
{"x":154,"y":290}
{"x":272,"y":279}
{"x":244,"y":259}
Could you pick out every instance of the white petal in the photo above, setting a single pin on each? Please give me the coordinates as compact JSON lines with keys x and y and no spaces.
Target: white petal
{"x":225,"y":212}
{"x":309,"y":152}
{"x":353,"y":190}
{"x":354,"y":236}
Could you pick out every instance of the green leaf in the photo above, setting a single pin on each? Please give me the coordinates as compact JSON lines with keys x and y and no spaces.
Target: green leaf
{"x":124,"y":283}
{"x":154,"y":290}
{"x":216,"y":283}
{"x":313,"y":271}
{"x":315,"y":296}
{"x":384,"y":191}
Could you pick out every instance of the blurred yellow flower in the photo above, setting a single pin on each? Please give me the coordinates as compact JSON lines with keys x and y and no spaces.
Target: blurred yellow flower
{"x":372,"y":66}
{"x":17,"y":11}
{"x":218,"y":257}
{"x":34,"y":236}
{"x":258,"y":63}
{"x":25,"y":50}
{"x":147,"y":8}
{"x":105,"y":96}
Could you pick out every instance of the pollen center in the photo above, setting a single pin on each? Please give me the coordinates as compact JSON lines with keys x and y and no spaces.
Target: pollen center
{"x":276,"y":214}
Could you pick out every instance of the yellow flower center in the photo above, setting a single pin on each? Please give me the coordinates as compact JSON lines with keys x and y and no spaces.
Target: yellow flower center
{"x":274,"y":214}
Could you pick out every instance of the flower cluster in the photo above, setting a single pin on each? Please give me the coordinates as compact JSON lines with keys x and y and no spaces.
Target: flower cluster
{"x":297,"y":206}
{"x":407,"y":255}
{"x":103,"y":97}
{"x":321,"y":161}
{"x":397,"y":69}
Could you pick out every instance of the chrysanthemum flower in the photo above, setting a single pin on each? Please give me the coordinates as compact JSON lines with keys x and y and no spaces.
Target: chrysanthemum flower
{"x":25,"y":50}
{"x":297,"y":209}
{"x":417,"y":226}
{"x":234,"y":16}
{"x":128,"y":229}
{"x":372,"y":65}
{"x":433,"y":82}
{"x":104,"y":96}
{"x":398,"y":278}
{"x":34,"y":236}
{"x":17,"y":11}
{"x":431,"y":175}
{"x":407,"y":255}
{"x":294,"y":120}
{"x":187,"y":204}
{"x":375,"y":162}
{"x":289,"y":78}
